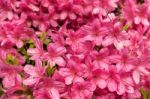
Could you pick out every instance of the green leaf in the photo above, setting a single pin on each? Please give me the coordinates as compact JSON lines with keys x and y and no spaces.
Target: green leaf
{"x":125,"y":27}
{"x":145,"y":93}
{"x":47,"y":41}
{"x":50,"y":71}
{"x":26,"y":57}
{"x":30,"y":41}
{"x":1,"y":91}
{"x":22,"y":50}
{"x":43,"y":36}
{"x":31,"y":97}
{"x":31,"y":46}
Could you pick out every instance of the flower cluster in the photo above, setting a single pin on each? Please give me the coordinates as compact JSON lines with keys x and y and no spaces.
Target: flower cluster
{"x":74,"y":49}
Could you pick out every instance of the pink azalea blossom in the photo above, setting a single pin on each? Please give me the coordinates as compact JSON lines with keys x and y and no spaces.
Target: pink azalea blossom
{"x":54,"y":54}
{"x":123,"y":60}
{"x":75,"y":39}
{"x":36,"y":73}
{"x":10,"y":67}
{"x":101,"y":59}
{"x":117,"y":83}
{"x":129,"y":10}
{"x":16,"y":33}
{"x":67,"y":9}
{"x":37,"y":52}
{"x":73,"y":73}
{"x":48,"y":89}
{"x":117,"y":37}
{"x":142,"y":17}
{"x":104,"y":6}
{"x":96,"y":31}
{"x":98,"y":78}
{"x":82,"y":90}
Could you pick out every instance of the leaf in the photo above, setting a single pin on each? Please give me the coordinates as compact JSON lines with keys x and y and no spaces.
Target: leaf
{"x":126,"y":27}
{"x":47,"y":41}
{"x":22,"y":50}
{"x":50,"y":71}
{"x":1,"y":91}
{"x":43,"y":36}
{"x":145,"y":93}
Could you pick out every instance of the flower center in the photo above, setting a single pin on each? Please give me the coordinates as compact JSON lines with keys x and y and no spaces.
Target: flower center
{"x":11,"y":59}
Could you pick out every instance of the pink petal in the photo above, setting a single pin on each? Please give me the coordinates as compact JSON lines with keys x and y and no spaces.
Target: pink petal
{"x":112,"y":85}
{"x":10,"y":15}
{"x":72,"y":16}
{"x":30,"y":81}
{"x":136,"y":76}
{"x":60,"y":50}
{"x":32,"y":51}
{"x":118,"y":44}
{"x":121,"y":89}
{"x":42,"y":27}
{"x":53,"y":23}
{"x":46,"y":56}
{"x":143,"y":70}
{"x":103,"y":65}
{"x":96,"y":10}
{"x":108,"y":41}
{"x":86,"y":92}
{"x":113,"y":3}
{"x":65,"y":72}
{"x":78,"y":79}
{"x":91,"y":86}
{"x":63,"y":15}
{"x":54,"y":93}
{"x":9,"y":81}
{"x":29,"y":69}
{"x":130,"y":89}
{"x":33,"y":7}
{"x":69,"y":79}
{"x":19,"y":43}
{"x":145,"y":22}
{"x":137,"y":20}
{"x":101,"y":83}
{"x":119,"y":66}
{"x":98,"y":40}
{"x":60,"y":61}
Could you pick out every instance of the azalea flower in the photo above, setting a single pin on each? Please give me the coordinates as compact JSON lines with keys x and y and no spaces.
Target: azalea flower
{"x":75,"y":39}
{"x":36,"y":53}
{"x":82,"y":90}
{"x":54,"y":54}
{"x":96,"y":31}
{"x":129,"y":11}
{"x":68,"y":9}
{"x":36,"y":73}
{"x":101,"y":59}
{"x":16,"y":33}
{"x":117,"y":37}
{"x":48,"y":89}
{"x":124,"y":60}
{"x":98,"y":78}
{"x":104,"y":6}
{"x":73,"y":73}
{"x":142,"y":17}
{"x":11,"y":65}
{"x":119,"y":82}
